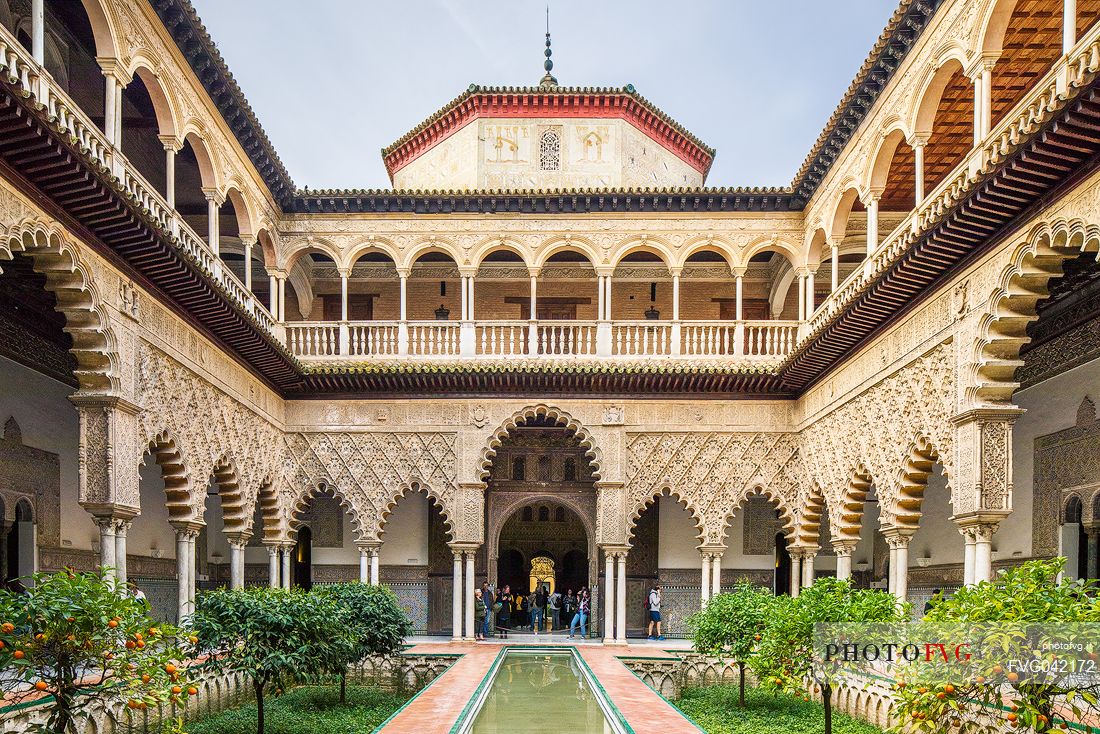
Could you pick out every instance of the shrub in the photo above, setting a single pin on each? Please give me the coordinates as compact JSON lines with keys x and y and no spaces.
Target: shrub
{"x":784,"y":657}
{"x":731,"y":626}
{"x":376,"y":623}
{"x":74,"y":631}
{"x":1002,"y":616}
{"x":765,"y":713}
{"x":272,"y":634}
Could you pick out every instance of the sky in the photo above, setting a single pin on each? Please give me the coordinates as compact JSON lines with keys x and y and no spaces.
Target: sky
{"x":334,"y":85}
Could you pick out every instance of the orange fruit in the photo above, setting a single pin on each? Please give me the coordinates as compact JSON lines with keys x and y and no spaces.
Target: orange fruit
{"x":70,"y":620}
{"x":941,"y":695}
{"x":130,"y":644}
{"x":112,"y":624}
{"x":176,"y":690}
{"x":145,"y":678}
{"x":7,"y":627}
{"x":19,"y":655}
{"x":1,"y":644}
{"x":1014,"y":677}
{"x":169,"y":668}
{"x":949,"y":689}
{"x":998,"y":669}
{"x":193,"y":640}
{"x":1012,"y":717}
{"x":980,"y":679}
{"x":192,"y":691}
{"x":141,"y":643}
{"x":40,"y":685}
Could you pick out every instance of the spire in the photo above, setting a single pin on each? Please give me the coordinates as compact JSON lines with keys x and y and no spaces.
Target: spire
{"x":548,"y":79}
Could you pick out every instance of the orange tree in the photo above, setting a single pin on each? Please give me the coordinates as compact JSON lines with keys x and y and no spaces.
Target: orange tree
{"x":74,"y":639}
{"x":1033,"y":662}
{"x":784,"y":658}
{"x":376,"y":622}
{"x":731,"y":626}
{"x":272,"y":635}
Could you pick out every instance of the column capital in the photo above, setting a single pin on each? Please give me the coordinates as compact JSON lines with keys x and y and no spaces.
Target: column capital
{"x":871,"y":195}
{"x":187,"y":528}
{"x":739,"y":271}
{"x":277,"y":273}
{"x":918,"y":140}
{"x":675,"y":272}
{"x":404,"y":272}
{"x":1002,"y":413}
{"x":615,"y":551}
{"x":171,"y":143}
{"x":534,"y":271}
{"x":981,"y":525}
{"x":238,"y":538}
{"x":111,"y":67}
{"x":272,"y":549}
{"x":605,"y":270}
{"x":983,"y":63}
{"x":467,"y":271}
{"x":104,"y":401}
{"x":212,"y":194}
{"x":713,"y":549}
{"x":844,"y":547}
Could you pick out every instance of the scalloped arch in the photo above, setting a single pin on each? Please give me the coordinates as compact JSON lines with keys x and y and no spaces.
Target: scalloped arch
{"x":300,"y":502}
{"x":587,"y":441}
{"x":785,"y":512}
{"x":905,"y":506}
{"x":683,"y":501}
{"x":179,"y":493}
{"x":414,"y":486}
{"x":69,"y":279}
{"x":1002,"y":330}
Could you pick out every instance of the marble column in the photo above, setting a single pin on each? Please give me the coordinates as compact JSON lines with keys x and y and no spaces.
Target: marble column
{"x":456,"y":596}
{"x":374,"y":566}
{"x":193,"y":571}
{"x":284,"y":555}
{"x":808,"y":570}
{"x":968,"y":556}
{"x":273,"y":566}
{"x":364,"y":565}
{"x":983,"y":552}
{"x":122,"y":527}
{"x":843,"y":553}
{"x":470,"y":582}
{"x":107,"y":547}
{"x":183,"y":570}
{"x":236,"y":562}
{"x":715,"y":574}
{"x":796,"y":572}
{"x":705,"y":582}
{"x":609,"y":597}
{"x":899,"y":564}
{"x":620,"y":599}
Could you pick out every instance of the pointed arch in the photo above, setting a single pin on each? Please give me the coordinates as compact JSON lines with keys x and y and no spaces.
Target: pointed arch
{"x":786,"y":514}
{"x":178,"y":490}
{"x":848,"y":523}
{"x":235,"y":518}
{"x":1013,"y":305}
{"x":562,"y":418}
{"x":308,"y":493}
{"x":414,"y":486}
{"x":905,"y":506}
{"x":685,"y":502}
{"x":69,"y":279}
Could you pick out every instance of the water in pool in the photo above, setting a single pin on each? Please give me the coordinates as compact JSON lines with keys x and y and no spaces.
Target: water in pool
{"x":530,"y":689}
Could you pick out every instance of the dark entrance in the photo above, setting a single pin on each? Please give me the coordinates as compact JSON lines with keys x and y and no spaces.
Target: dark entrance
{"x":782,"y":566}
{"x":302,"y":572}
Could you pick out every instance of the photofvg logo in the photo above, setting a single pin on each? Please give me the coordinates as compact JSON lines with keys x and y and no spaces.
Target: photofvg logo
{"x":1062,"y":655}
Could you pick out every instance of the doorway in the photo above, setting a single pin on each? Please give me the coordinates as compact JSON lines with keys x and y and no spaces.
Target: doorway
{"x":302,"y":572}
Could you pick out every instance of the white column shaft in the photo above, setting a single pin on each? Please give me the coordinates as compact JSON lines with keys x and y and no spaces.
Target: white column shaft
{"x":282,"y":299}
{"x":983,"y":557}
{"x":470,"y":585}
{"x":607,"y":298}
{"x":1069,"y":25}
{"x":715,"y":575}
{"x":404,"y":297}
{"x":120,"y":552}
{"x":892,"y":582}
{"x":248,"y":267}
{"x":374,"y":567}
{"x":236,"y":565}
{"x":620,"y":600}
{"x":109,"y":106}
{"x":470,"y":295}
{"x":273,"y":296}
{"x":705,"y":581}
{"x":170,"y":176}
{"x":901,"y":586}
{"x":796,"y":573}
{"x":212,"y":225}
{"x":808,"y":571}
{"x":844,"y":565}
{"x":38,"y":31}
{"x":534,"y":296}
{"x":286,"y":566}
{"x":193,"y":570}
{"x":872,"y":226}
{"x":343,"y":297}
{"x":183,"y":568}
{"x":464,"y":313}
{"x":918,"y":166}
{"x":809,"y":294}
{"x":273,"y":567}
{"x":609,"y":598}
{"x":740,"y":310}
{"x":968,"y":559}
{"x":801,"y":297}
{"x":676,"y":298}
{"x":456,"y":597}
{"x":107,"y":546}
{"x":834,"y":269}
{"x":364,"y":566}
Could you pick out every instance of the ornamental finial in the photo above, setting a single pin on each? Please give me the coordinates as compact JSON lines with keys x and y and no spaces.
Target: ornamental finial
{"x":548,"y":79}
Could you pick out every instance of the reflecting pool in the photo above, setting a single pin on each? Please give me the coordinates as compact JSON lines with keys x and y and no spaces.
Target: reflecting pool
{"x":529,"y":688}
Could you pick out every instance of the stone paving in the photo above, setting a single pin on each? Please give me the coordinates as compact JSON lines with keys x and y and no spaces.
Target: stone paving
{"x":438,"y":706}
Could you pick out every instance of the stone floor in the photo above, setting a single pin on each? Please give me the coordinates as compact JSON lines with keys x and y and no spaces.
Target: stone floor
{"x":438,"y":706}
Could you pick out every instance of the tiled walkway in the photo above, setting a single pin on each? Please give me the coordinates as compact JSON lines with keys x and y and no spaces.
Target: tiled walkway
{"x":437,"y":708}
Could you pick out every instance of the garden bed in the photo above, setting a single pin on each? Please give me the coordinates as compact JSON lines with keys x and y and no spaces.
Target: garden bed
{"x":715,"y":710}
{"x":308,"y":710}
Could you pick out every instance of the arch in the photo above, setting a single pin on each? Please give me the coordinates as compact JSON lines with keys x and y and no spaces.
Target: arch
{"x":1073,"y":508}
{"x":235,"y":518}
{"x":426,"y":246}
{"x":685,"y":502}
{"x":163,"y":105}
{"x":880,"y":166}
{"x":178,"y":491}
{"x":24,"y":511}
{"x":271,"y":513}
{"x":267,"y":247}
{"x":488,"y":247}
{"x":522,"y":502}
{"x":1002,"y":329}
{"x":296,"y":250}
{"x":771,"y":244}
{"x":809,"y":520}
{"x":784,"y":508}
{"x":414,"y":486}
{"x":367,"y":246}
{"x":706,"y":244}
{"x":905,"y":507}
{"x":241,"y":209}
{"x":69,"y":279}
{"x":103,"y":30}
{"x":208,"y":172}
{"x":650,"y":245}
{"x":300,"y":502}
{"x":993,"y":26}
{"x":562,"y":418}
{"x":927,"y":101}
{"x":815,"y":247}
{"x":846,"y":526}
{"x":838,"y":224}
{"x":570,"y":244}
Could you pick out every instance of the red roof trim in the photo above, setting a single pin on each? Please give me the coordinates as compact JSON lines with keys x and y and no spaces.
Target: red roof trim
{"x":606,"y":106}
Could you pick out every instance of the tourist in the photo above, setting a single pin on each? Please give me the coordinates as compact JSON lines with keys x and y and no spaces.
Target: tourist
{"x":937,"y":597}
{"x":581,"y":617}
{"x":480,"y":611}
{"x":568,"y":605}
{"x":489,"y":595}
{"x":523,"y":604}
{"x":504,"y":618}
{"x":554,"y":605}
{"x":653,"y":604}
{"x":138,"y":594}
{"x":538,"y":608}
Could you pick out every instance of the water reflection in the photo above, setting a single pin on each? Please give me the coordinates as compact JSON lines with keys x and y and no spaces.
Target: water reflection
{"x":532,"y":688}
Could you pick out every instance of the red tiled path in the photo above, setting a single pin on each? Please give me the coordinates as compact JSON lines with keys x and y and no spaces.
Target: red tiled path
{"x":437,"y":708}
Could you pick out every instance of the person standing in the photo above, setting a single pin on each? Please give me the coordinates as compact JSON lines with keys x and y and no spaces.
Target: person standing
{"x":554,"y":604}
{"x":479,"y":615}
{"x":654,"y":605}
{"x":538,"y":608}
{"x":504,"y":619}
{"x":581,"y":617}
{"x":568,"y":605}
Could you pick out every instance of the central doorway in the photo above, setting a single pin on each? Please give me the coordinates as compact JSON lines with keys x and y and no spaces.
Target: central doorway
{"x":543,"y":543}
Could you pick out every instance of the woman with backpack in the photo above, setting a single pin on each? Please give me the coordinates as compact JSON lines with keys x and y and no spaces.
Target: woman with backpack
{"x":581,"y":617}
{"x":504,"y":619}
